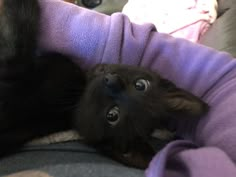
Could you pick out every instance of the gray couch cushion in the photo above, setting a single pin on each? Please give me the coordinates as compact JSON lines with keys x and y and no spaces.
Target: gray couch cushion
{"x":224,"y":5}
{"x":222,"y":34}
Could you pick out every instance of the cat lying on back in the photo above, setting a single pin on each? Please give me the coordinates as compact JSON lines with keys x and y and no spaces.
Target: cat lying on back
{"x":116,"y":109}
{"x":123,"y":105}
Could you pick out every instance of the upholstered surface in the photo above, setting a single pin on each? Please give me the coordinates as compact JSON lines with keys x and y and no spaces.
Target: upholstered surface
{"x":222,"y":34}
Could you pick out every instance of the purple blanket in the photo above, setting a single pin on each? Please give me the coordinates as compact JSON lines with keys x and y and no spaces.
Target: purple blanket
{"x":93,"y":38}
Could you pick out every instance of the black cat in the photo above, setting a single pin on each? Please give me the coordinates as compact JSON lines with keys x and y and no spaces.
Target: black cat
{"x":123,"y":105}
{"x":38,"y":93}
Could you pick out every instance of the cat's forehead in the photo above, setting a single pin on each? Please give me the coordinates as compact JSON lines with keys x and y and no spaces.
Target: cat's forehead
{"x":122,"y":70}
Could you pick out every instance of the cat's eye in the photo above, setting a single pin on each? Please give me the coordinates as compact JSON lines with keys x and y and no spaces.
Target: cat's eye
{"x":141,"y":85}
{"x":113,"y":116}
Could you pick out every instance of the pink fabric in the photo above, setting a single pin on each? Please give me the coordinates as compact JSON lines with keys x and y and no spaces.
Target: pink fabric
{"x":192,"y":32}
{"x":187,"y":19}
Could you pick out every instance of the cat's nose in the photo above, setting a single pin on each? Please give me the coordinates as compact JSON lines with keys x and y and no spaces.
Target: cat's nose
{"x":113,"y":82}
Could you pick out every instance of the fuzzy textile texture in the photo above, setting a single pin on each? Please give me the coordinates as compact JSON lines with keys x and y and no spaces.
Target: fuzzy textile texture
{"x":93,"y":38}
{"x":188,"y":19}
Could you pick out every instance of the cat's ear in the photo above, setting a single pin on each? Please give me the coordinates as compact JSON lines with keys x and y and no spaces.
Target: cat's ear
{"x":181,"y":103}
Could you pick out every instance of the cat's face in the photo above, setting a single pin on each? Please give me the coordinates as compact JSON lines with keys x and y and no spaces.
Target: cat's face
{"x":122,"y":105}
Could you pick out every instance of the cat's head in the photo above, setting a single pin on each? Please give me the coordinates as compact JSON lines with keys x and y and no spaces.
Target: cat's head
{"x":124,"y":104}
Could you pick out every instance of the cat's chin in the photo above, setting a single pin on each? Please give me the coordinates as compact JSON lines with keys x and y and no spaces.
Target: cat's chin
{"x":163,"y":134}
{"x":139,"y":155}
{"x":142,"y":153}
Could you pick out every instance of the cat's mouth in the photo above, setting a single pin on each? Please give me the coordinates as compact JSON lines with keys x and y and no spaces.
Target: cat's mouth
{"x":154,"y":142}
{"x":136,"y":154}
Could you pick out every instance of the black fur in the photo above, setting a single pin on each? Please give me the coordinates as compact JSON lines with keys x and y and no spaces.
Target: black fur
{"x":123,"y":105}
{"x":38,"y":93}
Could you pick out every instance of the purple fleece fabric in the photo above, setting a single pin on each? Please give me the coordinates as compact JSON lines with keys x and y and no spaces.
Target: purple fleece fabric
{"x":93,"y":38}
